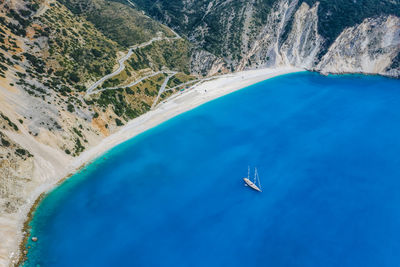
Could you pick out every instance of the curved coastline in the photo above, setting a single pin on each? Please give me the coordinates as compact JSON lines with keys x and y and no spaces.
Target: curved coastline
{"x":173,"y":106}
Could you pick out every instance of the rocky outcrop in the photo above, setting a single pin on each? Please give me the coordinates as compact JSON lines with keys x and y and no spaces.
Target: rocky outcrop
{"x":264,"y":51}
{"x":301,"y":46}
{"x":366,"y":48}
{"x":291,"y":37}
{"x":204,"y":63}
{"x":326,"y":36}
{"x":303,"y":43}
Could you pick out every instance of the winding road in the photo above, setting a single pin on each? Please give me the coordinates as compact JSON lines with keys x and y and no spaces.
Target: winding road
{"x":132,"y":83}
{"x":122,"y":60}
{"x":92,"y":89}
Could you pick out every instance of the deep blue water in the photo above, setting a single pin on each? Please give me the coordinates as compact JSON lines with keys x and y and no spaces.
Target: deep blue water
{"x":328,"y":154}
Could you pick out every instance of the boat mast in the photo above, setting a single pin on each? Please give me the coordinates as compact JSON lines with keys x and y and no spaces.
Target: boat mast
{"x":258,"y":178}
{"x":248,"y":172}
{"x":255,"y":175}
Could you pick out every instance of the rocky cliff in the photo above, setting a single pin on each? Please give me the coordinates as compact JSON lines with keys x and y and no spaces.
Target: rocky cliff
{"x":326,"y":36}
{"x":370,"y":47}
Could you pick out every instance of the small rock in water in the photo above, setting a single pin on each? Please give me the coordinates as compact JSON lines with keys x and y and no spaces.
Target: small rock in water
{"x":34,"y":239}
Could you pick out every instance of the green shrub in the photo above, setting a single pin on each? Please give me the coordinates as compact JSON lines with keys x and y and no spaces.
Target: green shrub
{"x":118,"y":122}
{"x":5,"y":143}
{"x":74,"y":77}
{"x":21,"y":151}
{"x":71,"y":108}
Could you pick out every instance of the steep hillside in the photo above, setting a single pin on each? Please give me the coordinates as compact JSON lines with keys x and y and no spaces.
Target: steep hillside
{"x":335,"y":16}
{"x":248,"y":34}
{"x":122,"y":24}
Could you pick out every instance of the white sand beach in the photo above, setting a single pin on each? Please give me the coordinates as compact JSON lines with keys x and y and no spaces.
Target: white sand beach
{"x":11,"y":227}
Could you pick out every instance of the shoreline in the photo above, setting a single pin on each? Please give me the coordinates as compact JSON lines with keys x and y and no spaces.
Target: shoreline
{"x":175,"y":105}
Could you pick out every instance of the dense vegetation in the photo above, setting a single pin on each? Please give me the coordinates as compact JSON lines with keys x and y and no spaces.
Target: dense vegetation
{"x":126,"y":26}
{"x":173,"y":55}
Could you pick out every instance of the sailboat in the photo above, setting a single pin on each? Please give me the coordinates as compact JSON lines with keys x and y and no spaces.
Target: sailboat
{"x":253,"y":185}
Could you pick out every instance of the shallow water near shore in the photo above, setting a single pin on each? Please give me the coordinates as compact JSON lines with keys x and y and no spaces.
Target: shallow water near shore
{"x":327,"y":151}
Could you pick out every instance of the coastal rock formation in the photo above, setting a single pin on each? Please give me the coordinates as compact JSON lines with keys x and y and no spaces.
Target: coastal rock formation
{"x":265,"y":50}
{"x":326,"y":36}
{"x":370,"y":47}
{"x":303,"y":43}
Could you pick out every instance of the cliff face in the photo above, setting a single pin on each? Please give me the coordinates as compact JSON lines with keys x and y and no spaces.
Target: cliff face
{"x":370,"y":47}
{"x":204,"y":63}
{"x":326,"y":36}
{"x":303,"y":43}
{"x":265,"y":50}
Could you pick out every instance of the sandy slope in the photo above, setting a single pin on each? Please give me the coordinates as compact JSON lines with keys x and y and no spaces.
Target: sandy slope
{"x":11,"y":225}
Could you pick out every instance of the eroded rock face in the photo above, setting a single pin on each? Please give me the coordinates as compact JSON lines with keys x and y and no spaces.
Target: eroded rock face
{"x":257,"y":34}
{"x":370,"y":47}
{"x":264,"y":51}
{"x":205,"y":63}
{"x":367,"y":48}
{"x":303,"y":43}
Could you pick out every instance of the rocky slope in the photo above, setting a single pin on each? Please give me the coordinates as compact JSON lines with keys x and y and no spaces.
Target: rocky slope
{"x":327,"y":36}
{"x":371,"y":47}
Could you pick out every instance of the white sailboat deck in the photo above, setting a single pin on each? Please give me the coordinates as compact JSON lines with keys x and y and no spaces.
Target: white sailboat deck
{"x":251,"y":184}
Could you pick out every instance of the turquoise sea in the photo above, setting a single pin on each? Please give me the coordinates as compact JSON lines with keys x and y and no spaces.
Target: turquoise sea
{"x":327,"y":151}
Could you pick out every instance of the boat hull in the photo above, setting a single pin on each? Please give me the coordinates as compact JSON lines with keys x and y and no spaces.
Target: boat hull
{"x":251,"y":184}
